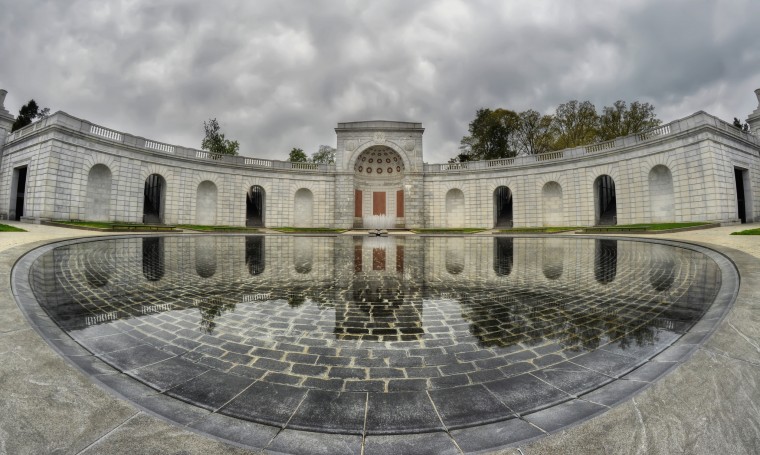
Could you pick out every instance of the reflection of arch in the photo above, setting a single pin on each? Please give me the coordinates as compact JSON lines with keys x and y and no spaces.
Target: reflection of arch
{"x":455,"y":255}
{"x":98,"y":202}
{"x":154,"y":199}
{"x":605,"y":201}
{"x":551,"y":195}
{"x":605,"y":260}
{"x":662,"y":272}
{"x":153,"y":258}
{"x":97,"y":272}
{"x":502,"y":207}
{"x":205,"y":256}
{"x":553,"y":258}
{"x":303,"y":254}
{"x":255,"y":205}
{"x":661,"y":194}
{"x":254,"y":254}
{"x":205,"y":203}
{"x":455,"y":208}
{"x":503,"y":255}
{"x":302,"y":208}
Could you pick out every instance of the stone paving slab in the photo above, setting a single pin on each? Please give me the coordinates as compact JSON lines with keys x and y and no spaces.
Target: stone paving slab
{"x":690,"y":410}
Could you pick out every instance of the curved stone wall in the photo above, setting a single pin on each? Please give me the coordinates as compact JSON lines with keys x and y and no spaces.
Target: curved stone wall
{"x":686,"y":170}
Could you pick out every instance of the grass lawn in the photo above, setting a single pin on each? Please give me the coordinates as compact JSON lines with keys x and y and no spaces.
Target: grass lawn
{"x":316,"y":230}
{"x":198,"y":227}
{"x":448,"y":230}
{"x":643,"y":227}
{"x":6,"y":228}
{"x":755,"y":231}
{"x":549,"y":229}
{"x":89,"y":224}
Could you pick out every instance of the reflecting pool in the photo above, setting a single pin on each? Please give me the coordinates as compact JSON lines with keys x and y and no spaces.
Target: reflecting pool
{"x":370,"y":335}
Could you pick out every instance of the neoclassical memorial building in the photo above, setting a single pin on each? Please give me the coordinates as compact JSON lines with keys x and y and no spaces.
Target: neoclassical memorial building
{"x":698,"y":168}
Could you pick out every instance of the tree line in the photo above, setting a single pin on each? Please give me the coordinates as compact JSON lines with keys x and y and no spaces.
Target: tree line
{"x":503,"y":133}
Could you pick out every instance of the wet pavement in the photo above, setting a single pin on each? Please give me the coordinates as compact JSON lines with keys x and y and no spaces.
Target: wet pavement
{"x":444,"y":296}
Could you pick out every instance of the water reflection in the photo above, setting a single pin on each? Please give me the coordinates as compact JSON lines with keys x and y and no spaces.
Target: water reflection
{"x":503,"y":251}
{"x":255,"y":254}
{"x":153,"y":258}
{"x":205,"y":256}
{"x":437,"y":291}
{"x":553,"y":258}
{"x":605,"y":260}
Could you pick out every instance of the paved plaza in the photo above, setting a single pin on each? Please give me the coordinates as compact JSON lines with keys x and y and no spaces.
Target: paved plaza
{"x":706,"y":404}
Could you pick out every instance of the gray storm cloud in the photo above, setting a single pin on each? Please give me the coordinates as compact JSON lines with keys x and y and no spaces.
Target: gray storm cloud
{"x":279,"y":75}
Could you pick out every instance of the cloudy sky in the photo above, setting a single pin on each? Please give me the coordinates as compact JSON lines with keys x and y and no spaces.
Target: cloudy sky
{"x":281,"y":74}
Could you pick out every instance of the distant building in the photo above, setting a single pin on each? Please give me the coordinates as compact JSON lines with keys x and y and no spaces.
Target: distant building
{"x":698,"y":168}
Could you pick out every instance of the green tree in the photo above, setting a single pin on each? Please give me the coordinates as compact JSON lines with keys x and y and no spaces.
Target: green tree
{"x":325,"y":155}
{"x":492,"y":135}
{"x":297,"y":156}
{"x":621,"y":120}
{"x":575,"y":123}
{"x":534,"y":133}
{"x":215,"y":142}
{"x":29,"y":113}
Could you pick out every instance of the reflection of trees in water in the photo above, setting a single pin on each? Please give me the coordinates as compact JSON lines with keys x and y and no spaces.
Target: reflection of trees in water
{"x":533,"y":318}
{"x":211,"y":308}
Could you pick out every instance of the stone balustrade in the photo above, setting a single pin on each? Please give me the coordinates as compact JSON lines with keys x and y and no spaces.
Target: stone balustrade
{"x":697,"y":119}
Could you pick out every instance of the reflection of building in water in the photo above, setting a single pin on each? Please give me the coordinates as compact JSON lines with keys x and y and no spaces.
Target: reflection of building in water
{"x":385,"y":302}
{"x":205,"y":256}
{"x":662,"y":272}
{"x":255,"y":254}
{"x":605,"y":260}
{"x":503,"y":255}
{"x":553,"y":258}
{"x":153,"y":258}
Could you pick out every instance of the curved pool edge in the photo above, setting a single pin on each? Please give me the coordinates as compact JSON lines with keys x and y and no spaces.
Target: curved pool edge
{"x":558,"y":417}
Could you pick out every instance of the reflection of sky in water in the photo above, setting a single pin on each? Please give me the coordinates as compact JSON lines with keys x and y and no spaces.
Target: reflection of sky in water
{"x":528,"y":301}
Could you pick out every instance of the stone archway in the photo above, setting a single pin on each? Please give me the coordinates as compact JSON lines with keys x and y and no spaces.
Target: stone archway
{"x":379,"y":189}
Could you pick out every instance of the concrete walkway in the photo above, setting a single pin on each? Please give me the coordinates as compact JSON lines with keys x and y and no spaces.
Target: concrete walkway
{"x":710,"y":404}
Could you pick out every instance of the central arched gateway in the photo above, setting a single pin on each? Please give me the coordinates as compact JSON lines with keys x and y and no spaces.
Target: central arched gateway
{"x":379,"y":189}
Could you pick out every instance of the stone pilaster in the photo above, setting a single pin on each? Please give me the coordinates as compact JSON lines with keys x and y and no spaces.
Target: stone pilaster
{"x":754,"y":118}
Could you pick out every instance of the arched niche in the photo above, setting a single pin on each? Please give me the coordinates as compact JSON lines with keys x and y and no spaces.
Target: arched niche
{"x":98,"y":200}
{"x":303,"y":207}
{"x":455,"y":208}
{"x":205,"y":203}
{"x":153,"y":258}
{"x":661,"y":197}
{"x":553,"y":258}
{"x":553,"y":209}
{"x":205,"y":256}
{"x":503,"y":255}
{"x":303,"y":254}
{"x":455,"y":256}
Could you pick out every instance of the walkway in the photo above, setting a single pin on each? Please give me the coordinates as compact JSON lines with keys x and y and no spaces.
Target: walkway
{"x":709,"y":404}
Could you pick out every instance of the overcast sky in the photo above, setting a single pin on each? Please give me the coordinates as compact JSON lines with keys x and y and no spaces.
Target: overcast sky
{"x":282,"y":74}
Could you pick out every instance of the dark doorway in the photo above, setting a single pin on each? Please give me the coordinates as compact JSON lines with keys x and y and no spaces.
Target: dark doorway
{"x":254,"y":254}
{"x":153,"y":258}
{"x":254,"y":207}
{"x":153,"y":205}
{"x":741,"y":202}
{"x":605,"y":260}
{"x":503,"y":253}
{"x":606,"y":204}
{"x":20,"y":179}
{"x":502,"y":204}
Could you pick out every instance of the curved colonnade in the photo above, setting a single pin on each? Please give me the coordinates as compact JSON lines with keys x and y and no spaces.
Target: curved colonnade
{"x":694,"y":169}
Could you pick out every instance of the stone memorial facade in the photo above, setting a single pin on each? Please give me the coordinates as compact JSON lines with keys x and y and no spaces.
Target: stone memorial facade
{"x":698,"y":168}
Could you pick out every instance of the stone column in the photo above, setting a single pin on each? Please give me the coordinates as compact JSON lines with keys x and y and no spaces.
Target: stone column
{"x":414,"y":207}
{"x":754,"y":118}
{"x":344,"y":200}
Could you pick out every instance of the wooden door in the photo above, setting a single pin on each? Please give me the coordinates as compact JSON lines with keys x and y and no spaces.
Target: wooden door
{"x":378,"y":203}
